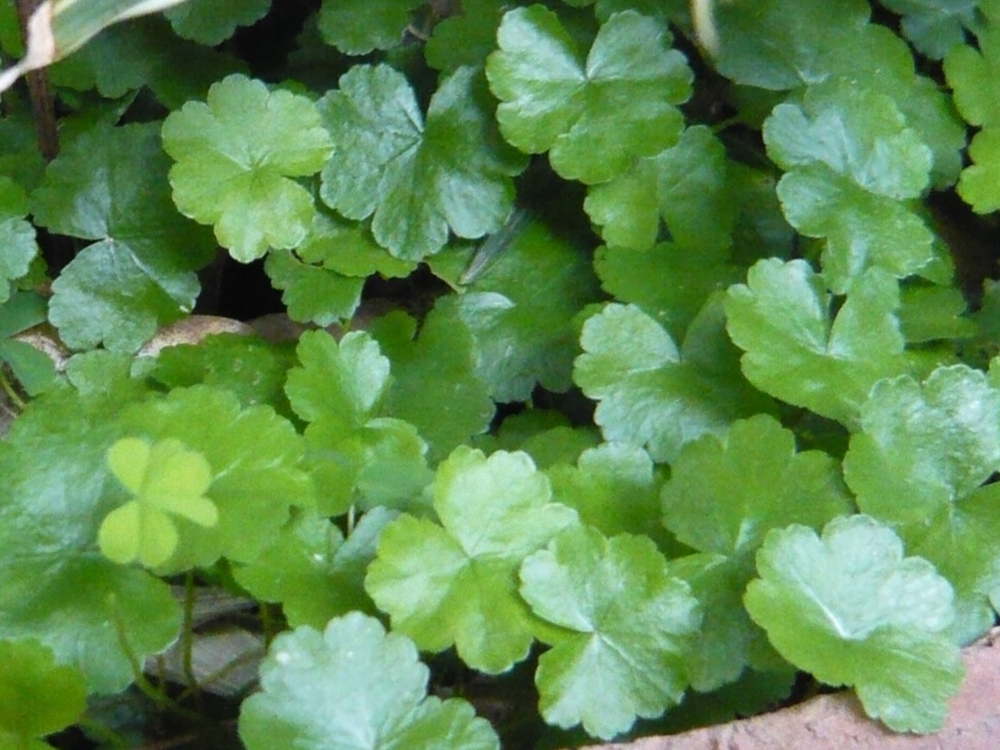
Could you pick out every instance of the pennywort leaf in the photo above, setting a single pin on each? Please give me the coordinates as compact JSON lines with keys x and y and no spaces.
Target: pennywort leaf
{"x":416,"y":177}
{"x":850,"y":609}
{"x":236,"y":155}
{"x":625,"y":624}
{"x":353,"y":685}
{"x":851,"y":161}
{"x":436,"y":581}
{"x":799,"y":351}
{"x":593,"y":114}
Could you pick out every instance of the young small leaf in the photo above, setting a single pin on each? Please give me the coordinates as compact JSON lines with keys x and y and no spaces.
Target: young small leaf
{"x":167,"y":479}
{"x":353,"y":686}
{"x":356,"y":27}
{"x":625,"y":625}
{"x":849,"y":609}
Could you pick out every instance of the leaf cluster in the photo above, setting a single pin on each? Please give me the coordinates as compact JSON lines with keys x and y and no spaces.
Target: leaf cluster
{"x":637,"y":365}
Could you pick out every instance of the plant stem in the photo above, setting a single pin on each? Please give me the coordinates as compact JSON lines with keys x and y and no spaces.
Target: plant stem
{"x":42,"y":104}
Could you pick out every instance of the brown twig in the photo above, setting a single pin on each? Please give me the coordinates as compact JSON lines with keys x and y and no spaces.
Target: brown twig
{"x":42,"y":105}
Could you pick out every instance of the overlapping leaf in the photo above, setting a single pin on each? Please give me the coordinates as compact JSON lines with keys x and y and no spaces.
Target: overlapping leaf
{"x":109,"y":186}
{"x":235,"y":172}
{"x":972,"y":74}
{"x":456,"y":583}
{"x":521,"y":313}
{"x":353,"y":686}
{"x":919,"y":462}
{"x":799,"y":351}
{"x":724,"y":494}
{"x":466,"y":38}
{"x":357,"y":454}
{"x":592,"y":115}
{"x":313,"y":571}
{"x":17,"y":236}
{"x":436,"y":386}
{"x":652,"y":394}
{"x":625,"y":628}
{"x":848,"y":608}
{"x":934,"y":27}
{"x":786,"y":44}
{"x":416,"y":177}
{"x":167,"y":479}
{"x":58,"y":588}
{"x":256,"y":463}
{"x":39,"y":696}
{"x":357,"y":27}
{"x":614,"y":487}
{"x":33,"y":369}
{"x":685,"y":185}
{"x":211,"y":22}
{"x":851,"y":162}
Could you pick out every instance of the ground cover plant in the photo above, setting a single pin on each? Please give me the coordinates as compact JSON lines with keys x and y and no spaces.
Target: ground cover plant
{"x":646,"y":378}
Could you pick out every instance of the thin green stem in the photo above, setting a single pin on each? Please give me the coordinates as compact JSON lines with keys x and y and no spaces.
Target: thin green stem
{"x":8,"y":388}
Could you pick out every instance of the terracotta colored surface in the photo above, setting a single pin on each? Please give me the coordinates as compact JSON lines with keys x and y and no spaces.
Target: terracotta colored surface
{"x":836,"y":722}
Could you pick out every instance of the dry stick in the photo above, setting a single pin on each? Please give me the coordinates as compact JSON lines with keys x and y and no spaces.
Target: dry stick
{"x":42,"y":106}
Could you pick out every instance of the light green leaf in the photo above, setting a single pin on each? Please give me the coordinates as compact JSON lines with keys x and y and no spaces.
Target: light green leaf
{"x":166,"y":479}
{"x":257,"y":473}
{"x":652,"y":394}
{"x":625,"y":627}
{"x":919,"y":462}
{"x":234,"y":173}
{"x":929,"y":313}
{"x":37,"y":695}
{"x":685,"y":185}
{"x":348,"y":248}
{"x":593,"y":115}
{"x":353,"y":686}
{"x":851,"y":161}
{"x":356,"y":452}
{"x":417,"y":178}
{"x":614,"y":487}
{"x":798,"y":351}
{"x":108,"y":186}
{"x":456,"y":583}
{"x":849,"y":609}
{"x":724,"y":494}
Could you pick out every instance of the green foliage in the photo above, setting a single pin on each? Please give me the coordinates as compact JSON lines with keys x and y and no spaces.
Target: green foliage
{"x":166,"y":479}
{"x":799,"y":351}
{"x":416,"y":177}
{"x":353,"y":681}
{"x":436,"y":581}
{"x":108,"y":187}
{"x":552,"y":99}
{"x":622,"y":338}
{"x":851,"y":610}
{"x":259,"y":204}
{"x":625,"y":625}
